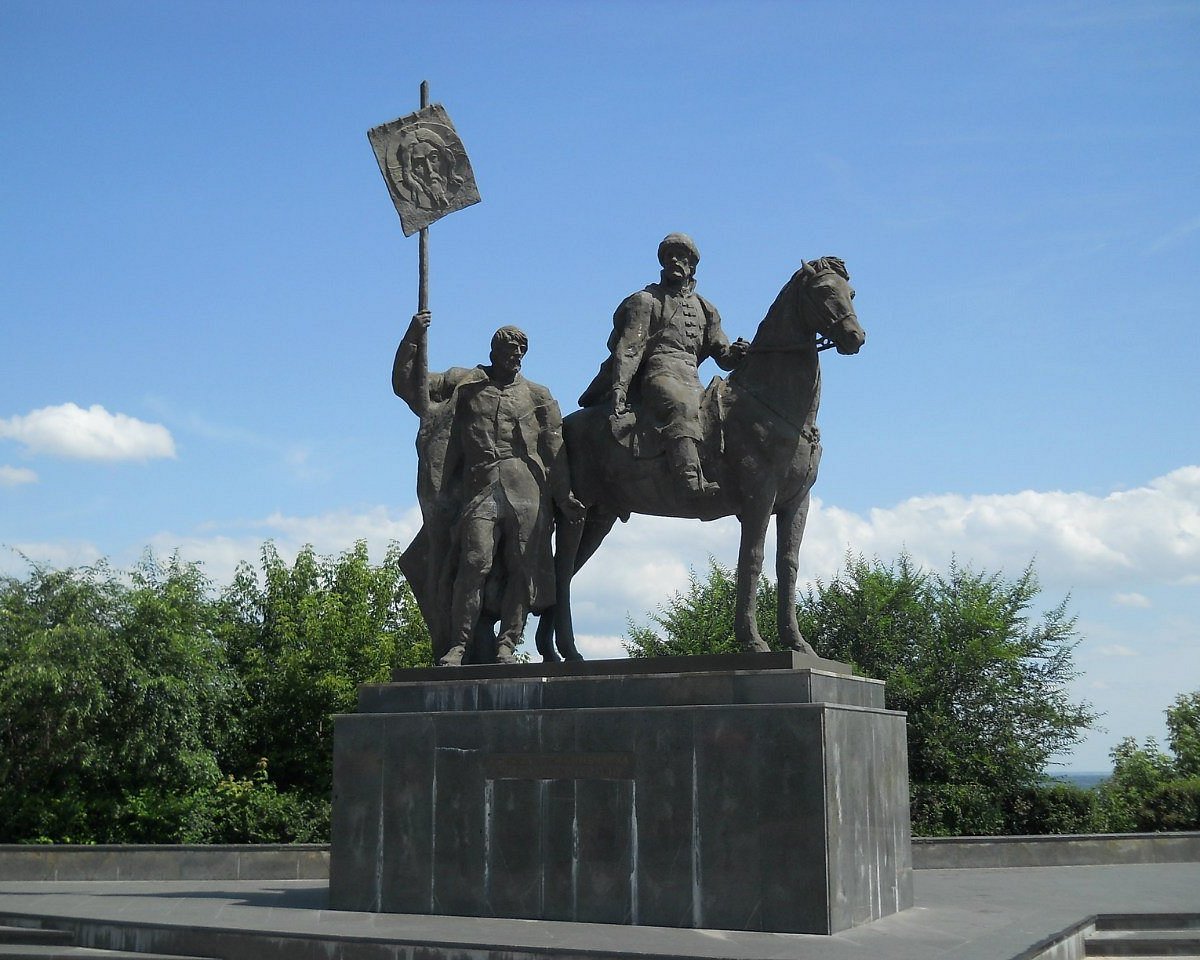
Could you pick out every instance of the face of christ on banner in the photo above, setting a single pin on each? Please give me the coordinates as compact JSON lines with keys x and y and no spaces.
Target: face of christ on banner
{"x":422,"y":171}
{"x":425,"y":166}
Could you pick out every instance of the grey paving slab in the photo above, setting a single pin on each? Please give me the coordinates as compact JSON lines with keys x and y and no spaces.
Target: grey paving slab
{"x":29,"y":935}
{"x":14,"y":951}
{"x":990,"y":914}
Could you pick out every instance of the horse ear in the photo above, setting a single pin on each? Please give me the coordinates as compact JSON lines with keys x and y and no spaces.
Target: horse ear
{"x":837,"y":265}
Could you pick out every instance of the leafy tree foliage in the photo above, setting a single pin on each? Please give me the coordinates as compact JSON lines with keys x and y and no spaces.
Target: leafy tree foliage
{"x":982,"y":678}
{"x":301,"y":639}
{"x":1183,"y":733}
{"x":105,"y":688}
{"x":1152,"y":790}
{"x":1138,"y":772}
{"x":143,"y":706}
{"x":700,"y":620}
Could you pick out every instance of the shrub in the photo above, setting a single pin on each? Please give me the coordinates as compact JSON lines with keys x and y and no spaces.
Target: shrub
{"x":955,"y":810}
{"x":1050,"y":808}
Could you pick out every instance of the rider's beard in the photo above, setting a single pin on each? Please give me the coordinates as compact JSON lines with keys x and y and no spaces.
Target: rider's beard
{"x":674,"y":276}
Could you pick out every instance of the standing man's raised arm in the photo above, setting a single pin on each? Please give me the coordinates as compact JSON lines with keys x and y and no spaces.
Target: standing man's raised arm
{"x":410,"y":369}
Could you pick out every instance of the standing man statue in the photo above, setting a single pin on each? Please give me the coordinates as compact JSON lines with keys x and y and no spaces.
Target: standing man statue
{"x":660,"y":336}
{"x":491,"y":470}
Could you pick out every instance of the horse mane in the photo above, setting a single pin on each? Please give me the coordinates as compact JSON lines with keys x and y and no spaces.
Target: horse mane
{"x":821,"y":264}
{"x":808,"y":270}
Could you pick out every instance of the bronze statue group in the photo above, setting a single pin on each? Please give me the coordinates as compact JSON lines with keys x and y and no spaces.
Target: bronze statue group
{"x":496,"y":477}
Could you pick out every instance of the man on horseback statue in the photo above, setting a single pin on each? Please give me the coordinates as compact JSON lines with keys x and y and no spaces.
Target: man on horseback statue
{"x":660,"y":336}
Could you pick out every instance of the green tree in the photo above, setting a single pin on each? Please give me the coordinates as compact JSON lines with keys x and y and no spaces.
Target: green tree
{"x":301,"y":639}
{"x":1139,"y":772}
{"x":983,"y":679}
{"x":1183,"y":734}
{"x":700,"y":620}
{"x":1149,"y":789}
{"x":108,"y":686}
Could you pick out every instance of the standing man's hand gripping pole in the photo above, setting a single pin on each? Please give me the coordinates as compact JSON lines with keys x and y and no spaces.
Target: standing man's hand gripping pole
{"x":410,"y":369}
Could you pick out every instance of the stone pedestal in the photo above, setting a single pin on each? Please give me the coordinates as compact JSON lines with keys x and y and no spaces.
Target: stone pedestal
{"x":751,"y":792}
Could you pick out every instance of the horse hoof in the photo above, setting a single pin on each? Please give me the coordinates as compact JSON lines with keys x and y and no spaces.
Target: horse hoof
{"x":755,"y":646}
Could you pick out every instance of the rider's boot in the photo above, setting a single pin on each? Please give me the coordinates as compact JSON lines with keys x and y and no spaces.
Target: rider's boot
{"x":684,"y":456}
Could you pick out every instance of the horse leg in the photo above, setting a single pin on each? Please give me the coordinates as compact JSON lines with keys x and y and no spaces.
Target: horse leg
{"x":580,"y":542}
{"x":566,"y":550}
{"x":597,"y":526}
{"x":789,"y":527}
{"x":574,"y":544}
{"x":755,"y":515}
{"x":544,"y":636}
{"x":556,"y":620}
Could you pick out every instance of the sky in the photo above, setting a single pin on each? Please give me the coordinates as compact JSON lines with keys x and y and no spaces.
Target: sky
{"x":203,"y":279}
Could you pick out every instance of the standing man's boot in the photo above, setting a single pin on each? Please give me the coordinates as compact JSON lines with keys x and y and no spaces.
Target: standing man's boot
{"x":453,"y":657}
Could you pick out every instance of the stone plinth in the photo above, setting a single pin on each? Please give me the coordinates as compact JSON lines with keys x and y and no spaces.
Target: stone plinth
{"x":755,"y":792}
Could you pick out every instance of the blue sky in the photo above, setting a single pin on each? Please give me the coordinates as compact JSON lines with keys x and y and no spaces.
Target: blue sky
{"x":204,"y":279}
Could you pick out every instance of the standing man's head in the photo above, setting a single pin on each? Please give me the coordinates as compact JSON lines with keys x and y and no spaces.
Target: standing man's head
{"x":678,"y":256}
{"x":509,"y":346}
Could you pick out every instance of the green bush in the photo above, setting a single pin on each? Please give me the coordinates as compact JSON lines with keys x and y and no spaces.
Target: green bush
{"x":127,"y":698}
{"x":231,"y":810}
{"x":1138,"y":772}
{"x":955,"y":810}
{"x":1050,"y":808}
{"x":1174,"y":805}
{"x":253,"y":811}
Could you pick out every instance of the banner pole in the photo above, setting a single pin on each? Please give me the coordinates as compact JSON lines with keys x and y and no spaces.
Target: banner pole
{"x":423,"y":239}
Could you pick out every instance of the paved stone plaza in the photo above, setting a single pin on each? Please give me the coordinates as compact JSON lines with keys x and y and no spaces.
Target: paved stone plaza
{"x":964,"y":914}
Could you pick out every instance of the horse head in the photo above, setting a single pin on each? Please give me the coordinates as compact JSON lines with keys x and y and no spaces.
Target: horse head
{"x":825,"y":301}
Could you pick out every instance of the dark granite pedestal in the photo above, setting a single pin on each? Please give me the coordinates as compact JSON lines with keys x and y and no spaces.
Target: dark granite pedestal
{"x":753,"y":792}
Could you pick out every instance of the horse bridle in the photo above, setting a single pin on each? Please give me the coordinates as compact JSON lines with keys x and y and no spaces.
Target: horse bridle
{"x":822,"y":342}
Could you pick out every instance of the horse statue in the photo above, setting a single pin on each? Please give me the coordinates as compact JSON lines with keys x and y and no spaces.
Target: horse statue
{"x":761,"y":446}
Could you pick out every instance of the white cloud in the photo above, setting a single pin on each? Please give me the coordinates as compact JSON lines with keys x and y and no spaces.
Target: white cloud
{"x":595,"y":647}
{"x":328,"y":533}
{"x":57,"y":555}
{"x":15,"y":476}
{"x":339,"y":529}
{"x":1149,"y":534}
{"x":1116,"y":650}
{"x":1138,"y":600}
{"x":68,"y":430}
{"x":642,"y":564}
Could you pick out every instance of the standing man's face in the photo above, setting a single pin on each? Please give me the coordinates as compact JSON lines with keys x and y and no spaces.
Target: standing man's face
{"x":506,"y":357}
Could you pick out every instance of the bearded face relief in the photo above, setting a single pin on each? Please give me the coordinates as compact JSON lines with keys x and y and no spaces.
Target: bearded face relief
{"x":425,"y":166}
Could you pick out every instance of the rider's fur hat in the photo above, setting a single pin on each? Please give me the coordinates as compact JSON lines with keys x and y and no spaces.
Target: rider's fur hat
{"x":678,"y":240}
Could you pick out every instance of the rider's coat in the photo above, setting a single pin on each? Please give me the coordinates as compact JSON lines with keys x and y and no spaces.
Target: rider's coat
{"x":660,"y":336}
